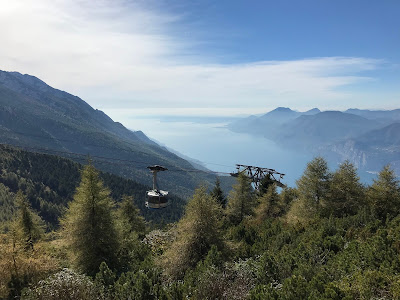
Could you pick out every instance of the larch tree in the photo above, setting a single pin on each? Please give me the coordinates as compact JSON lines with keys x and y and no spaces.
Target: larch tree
{"x":384,"y":194}
{"x":132,"y":228}
{"x":265,"y":183}
{"x":28,"y":226}
{"x":346,"y":193}
{"x":130,"y":218}
{"x":218,"y":194}
{"x":241,"y":200}
{"x":269,"y":206}
{"x":89,"y":226}
{"x":313,"y":185}
{"x":198,"y":231}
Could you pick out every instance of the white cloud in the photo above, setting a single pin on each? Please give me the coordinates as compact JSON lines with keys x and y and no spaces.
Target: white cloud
{"x":119,"y":55}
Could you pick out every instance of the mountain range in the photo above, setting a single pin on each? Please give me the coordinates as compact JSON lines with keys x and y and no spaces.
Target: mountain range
{"x":369,"y":139}
{"x":38,"y":117}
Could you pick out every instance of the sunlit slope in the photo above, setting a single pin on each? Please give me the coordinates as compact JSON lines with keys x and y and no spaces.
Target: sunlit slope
{"x":35,"y":115}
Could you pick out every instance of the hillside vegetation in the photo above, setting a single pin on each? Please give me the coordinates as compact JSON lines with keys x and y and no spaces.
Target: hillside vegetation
{"x":37,"y":117}
{"x":49,"y":183}
{"x":328,"y":238}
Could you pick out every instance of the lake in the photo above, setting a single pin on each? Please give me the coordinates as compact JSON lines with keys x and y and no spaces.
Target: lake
{"x":220,"y":149}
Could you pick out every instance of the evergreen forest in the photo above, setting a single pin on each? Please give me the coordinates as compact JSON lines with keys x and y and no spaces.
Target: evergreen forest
{"x":69,"y":231}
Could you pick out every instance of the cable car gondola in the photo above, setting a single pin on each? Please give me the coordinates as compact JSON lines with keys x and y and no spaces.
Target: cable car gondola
{"x":156,"y":198}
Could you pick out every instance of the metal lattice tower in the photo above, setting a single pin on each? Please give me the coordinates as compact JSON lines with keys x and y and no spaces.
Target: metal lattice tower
{"x":256,"y":174}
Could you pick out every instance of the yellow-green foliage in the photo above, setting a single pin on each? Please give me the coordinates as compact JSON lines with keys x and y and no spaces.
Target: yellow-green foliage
{"x":241,"y":200}
{"x":370,"y":284}
{"x":19,"y":267}
{"x":313,"y":185}
{"x":89,"y":226}
{"x":129,"y":218}
{"x":346,"y":194}
{"x":384,"y":194}
{"x":28,"y":226}
{"x":198,"y":230}
{"x":270,"y":206}
{"x":299,"y":213}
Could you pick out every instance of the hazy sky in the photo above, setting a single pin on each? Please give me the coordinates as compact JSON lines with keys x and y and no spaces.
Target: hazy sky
{"x":208,"y":57}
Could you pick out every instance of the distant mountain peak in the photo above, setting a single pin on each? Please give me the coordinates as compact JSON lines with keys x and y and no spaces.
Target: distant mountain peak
{"x":312,"y":111}
{"x":27,"y":79}
{"x":282,"y":109}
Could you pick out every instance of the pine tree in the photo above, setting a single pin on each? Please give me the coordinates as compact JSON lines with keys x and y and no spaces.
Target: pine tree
{"x":198,"y":231}
{"x":89,"y":225}
{"x":241,"y":200}
{"x":218,"y":194}
{"x":28,"y":225}
{"x":384,"y":194}
{"x":313,"y":186}
{"x":346,"y":193}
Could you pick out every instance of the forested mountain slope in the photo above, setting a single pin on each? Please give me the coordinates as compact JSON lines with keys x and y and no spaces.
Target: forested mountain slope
{"x":331,"y":237}
{"x":50,"y":182}
{"x":35,"y":115}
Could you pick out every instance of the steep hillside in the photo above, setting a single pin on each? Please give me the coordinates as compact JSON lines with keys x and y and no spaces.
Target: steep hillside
{"x":50,"y":181}
{"x":384,"y":137}
{"x":370,"y":151}
{"x":35,"y":115}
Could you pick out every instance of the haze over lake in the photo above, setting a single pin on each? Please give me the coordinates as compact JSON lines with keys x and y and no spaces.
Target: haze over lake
{"x":208,"y":141}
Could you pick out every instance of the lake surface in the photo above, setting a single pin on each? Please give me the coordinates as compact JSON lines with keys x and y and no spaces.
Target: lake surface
{"x":220,"y":149}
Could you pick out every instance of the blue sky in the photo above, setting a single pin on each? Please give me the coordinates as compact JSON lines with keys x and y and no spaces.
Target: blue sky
{"x":133,"y":58}
{"x":286,"y":30}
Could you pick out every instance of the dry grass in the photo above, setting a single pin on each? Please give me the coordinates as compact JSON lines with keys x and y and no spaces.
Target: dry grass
{"x":29,"y":266}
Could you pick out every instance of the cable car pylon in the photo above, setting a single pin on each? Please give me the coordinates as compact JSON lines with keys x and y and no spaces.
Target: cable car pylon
{"x":156,"y":198}
{"x":256,"y":174}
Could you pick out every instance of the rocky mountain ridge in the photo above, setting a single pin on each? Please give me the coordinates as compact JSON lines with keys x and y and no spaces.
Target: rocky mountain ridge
{"x":369,"y":139}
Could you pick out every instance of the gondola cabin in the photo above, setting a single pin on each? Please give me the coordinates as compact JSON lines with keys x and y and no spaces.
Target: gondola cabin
{"x":156,"y":198}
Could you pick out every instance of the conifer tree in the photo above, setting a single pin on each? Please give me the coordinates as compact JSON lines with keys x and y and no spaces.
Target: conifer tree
{"x":130,"y":217}
{"x":265,"y":183}
{"x":313,"y":186}
{"x":287,"y":196}
{"x":89,"y":226}
{"x":132,"y":228}
{"x":384,"y":194}
{"x":28,"y":225}
{"x":345,"y":191}
{"x":218,"y":194}
{"x":269,"y":205}
{"x":241,"y":200}
{"x":198,"y":231}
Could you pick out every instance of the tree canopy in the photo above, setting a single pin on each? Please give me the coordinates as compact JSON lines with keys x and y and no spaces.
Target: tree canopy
{"x":241,"y":200}
{"x":89,"y":225}
{"x":198,"y":231}
{"x":313,"y":185}
{"x":384,"y":194}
